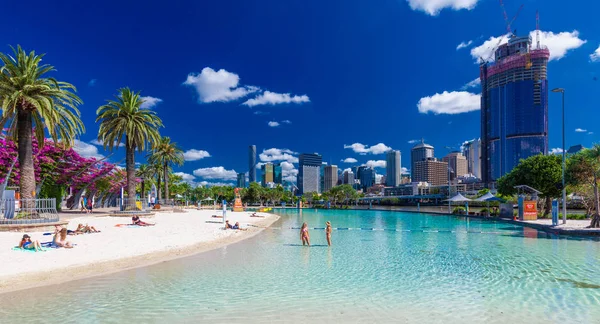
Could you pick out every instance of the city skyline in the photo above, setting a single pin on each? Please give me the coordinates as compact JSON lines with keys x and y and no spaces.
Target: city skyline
{"x":288,"y":89}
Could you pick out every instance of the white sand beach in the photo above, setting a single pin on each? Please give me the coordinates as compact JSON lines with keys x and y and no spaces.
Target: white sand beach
{"x":118,"y":248}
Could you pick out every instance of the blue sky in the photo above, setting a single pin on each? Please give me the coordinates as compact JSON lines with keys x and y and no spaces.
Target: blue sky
{"x":304,"y":76}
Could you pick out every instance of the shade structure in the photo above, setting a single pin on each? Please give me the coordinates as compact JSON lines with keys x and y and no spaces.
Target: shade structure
{"x":458,"y":198}
{"x":489,"y":197}
{"x":207,"y":199}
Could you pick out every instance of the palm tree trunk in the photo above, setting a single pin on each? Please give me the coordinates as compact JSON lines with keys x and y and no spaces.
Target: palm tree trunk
{"x":27,"y":181}
{"x":143,"y":189}
{"x":130,"y":168}
{"x":595,"y":223}
{"x":158,"y":186}
{"x":166,"y":176}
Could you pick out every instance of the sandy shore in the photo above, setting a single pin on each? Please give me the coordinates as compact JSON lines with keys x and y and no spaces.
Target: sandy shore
{"x":119,"y":248}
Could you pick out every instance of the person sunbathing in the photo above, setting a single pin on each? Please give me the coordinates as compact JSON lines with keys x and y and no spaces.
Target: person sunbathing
{"x":28,"y":244}
{"x":81,"y":229}
{"x":227,"y":225}
{"x":60,"y":239}
{"x":58,"y":228}
{"x":137,"y":221}
{"x":237,"y":227}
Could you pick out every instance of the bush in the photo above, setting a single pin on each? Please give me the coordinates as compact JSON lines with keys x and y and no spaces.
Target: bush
{"x":459,"y":210}
{"x":484,"y":211}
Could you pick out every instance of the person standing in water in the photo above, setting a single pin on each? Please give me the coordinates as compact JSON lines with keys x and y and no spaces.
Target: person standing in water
{"x":328,"y":232}
{"x":304,"y":235}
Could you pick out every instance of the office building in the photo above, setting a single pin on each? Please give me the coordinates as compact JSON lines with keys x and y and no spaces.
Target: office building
{"x":241,"y":180}
{"x":472,"y":152}
{"x":330,"y":177}
{"x":575,"y":149}
{"x":309,"y":171}
{"x":252,"y":163}
{"x":419,"y":152}
{"x":367,"y":177}
{"x":267,"y":174}
{"x":457,"y":163}
{"x":348,"y":178}
{"x":514,"y":106}
{"x":277,"y":174}
{"x":322,"y":176}
{"x":393,"y":169}
{"x":431,"y":171}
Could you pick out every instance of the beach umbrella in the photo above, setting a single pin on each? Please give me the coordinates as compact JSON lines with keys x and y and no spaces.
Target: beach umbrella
{"x":489,"y":197}
{"x":460,"y":198}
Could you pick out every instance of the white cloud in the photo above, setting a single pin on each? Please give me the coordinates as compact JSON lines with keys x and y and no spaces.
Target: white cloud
{"x":273,"y":124}
{"x":349,"y":160}
{"x":580,"y":130}
{"x":378,"y":178}
{"x":258,"y":112}
{"x":556,"y":150}
{"x":590,"y":133}
{"x":414,"y":141}
{"x":363,"y":149}
{"x":216,"y":173}
{"x":288,"y":171}
{"x":92,"y":82}
{"x":275,"y":154}
{"x":404,"y":170}
{"x":273,"y":98}
{"x":376,"y":164}
{"x":433,"y":7}
{"x":455,"y":102}
{"x":185,"y":176}
{"x":347,"y":170}
{"x":86,"y":150}
{"x":195,"y":155}
{"x":217,"y":86}
{"x":150,"y":102}
{"x":472,"y":84}
{"x":100,"y":143}
{"x":595,"y":57}
{"x":485,"y":50}
{"x":558,"y":44}
{"x":464,"y":45}
{"x":286,"y":121}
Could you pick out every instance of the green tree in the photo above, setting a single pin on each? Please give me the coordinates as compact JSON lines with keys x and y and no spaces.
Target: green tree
{"x":583,"y":168}
{"x":542,"y":172}
{"x":124,"y":121}
{"x":30,"y":100}
{"x":166,"y":154}
{"x":145,"y":172}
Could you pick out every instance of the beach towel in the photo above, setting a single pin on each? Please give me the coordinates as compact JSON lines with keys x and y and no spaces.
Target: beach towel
{"x":127,"y":225}
{"x":16,"y":248}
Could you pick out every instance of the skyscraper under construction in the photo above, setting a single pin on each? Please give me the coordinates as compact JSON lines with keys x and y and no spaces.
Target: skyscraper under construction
{"x":514,"y":106}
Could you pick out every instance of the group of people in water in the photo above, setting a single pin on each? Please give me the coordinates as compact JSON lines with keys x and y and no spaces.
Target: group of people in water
{"x":305,"y":236}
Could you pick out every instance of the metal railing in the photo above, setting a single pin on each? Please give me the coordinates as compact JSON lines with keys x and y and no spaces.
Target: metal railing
{"x":28,"y":211}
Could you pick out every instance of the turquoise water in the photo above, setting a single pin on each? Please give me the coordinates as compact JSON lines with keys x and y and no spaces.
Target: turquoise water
{"x":420,"y":269}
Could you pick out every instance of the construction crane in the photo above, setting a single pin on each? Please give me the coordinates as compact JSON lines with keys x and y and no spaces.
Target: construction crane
{"x":508,"y":29}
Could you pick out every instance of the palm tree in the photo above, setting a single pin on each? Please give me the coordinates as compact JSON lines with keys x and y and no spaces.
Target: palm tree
{"x":145,"y":172}
{"x":31,"y":102}
{"x":124,"y":121}
{"x":166,"y":153}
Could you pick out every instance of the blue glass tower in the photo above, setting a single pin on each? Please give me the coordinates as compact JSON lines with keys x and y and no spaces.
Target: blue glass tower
{"x":514,"y":107}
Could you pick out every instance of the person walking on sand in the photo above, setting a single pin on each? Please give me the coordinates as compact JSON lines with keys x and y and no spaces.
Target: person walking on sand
{"x":304,"y":236}
{"x":328,"y":232}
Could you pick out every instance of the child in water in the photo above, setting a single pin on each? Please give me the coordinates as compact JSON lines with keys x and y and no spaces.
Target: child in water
{"x":328,"y":232}
{"x":304,"y":235}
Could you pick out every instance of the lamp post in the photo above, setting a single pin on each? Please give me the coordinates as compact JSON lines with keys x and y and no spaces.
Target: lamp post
{"x":564,"y":190}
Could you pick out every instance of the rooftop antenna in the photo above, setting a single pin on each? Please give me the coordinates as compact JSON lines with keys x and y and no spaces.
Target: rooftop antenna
{"x":537,"y":29}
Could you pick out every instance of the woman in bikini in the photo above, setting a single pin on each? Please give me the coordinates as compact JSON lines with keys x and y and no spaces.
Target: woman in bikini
{"x":328,"y":232}
{"x":136,"y":221}
{"x":28,"y":244}
{"x":304,"y":236}
{"x":60,"y":239}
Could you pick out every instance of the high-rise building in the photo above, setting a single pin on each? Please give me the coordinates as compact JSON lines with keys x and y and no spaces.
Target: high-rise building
{"x":472,"y":151}
{"x":331,"y":177}
{"x":393,"y":169}
{"x":267,"y":174}
{"x":252,"y":163}
{"x":419,"y":152}
{"x":277,"y":175}
{"x":241,"y":180}
{"x":348,"y":178}
{"x":309,"y":170}
{"x":367,"y":177}
{"x":514,"y":106}
{"x":322,"y":176}
{"x":457,"y":163}
{"x":431,"y":171}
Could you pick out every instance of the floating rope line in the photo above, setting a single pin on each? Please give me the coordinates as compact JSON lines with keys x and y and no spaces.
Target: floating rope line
{"x":395,"y":230}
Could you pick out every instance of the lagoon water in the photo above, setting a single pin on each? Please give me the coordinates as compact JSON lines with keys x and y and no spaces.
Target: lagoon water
{"x":411,"y":268}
